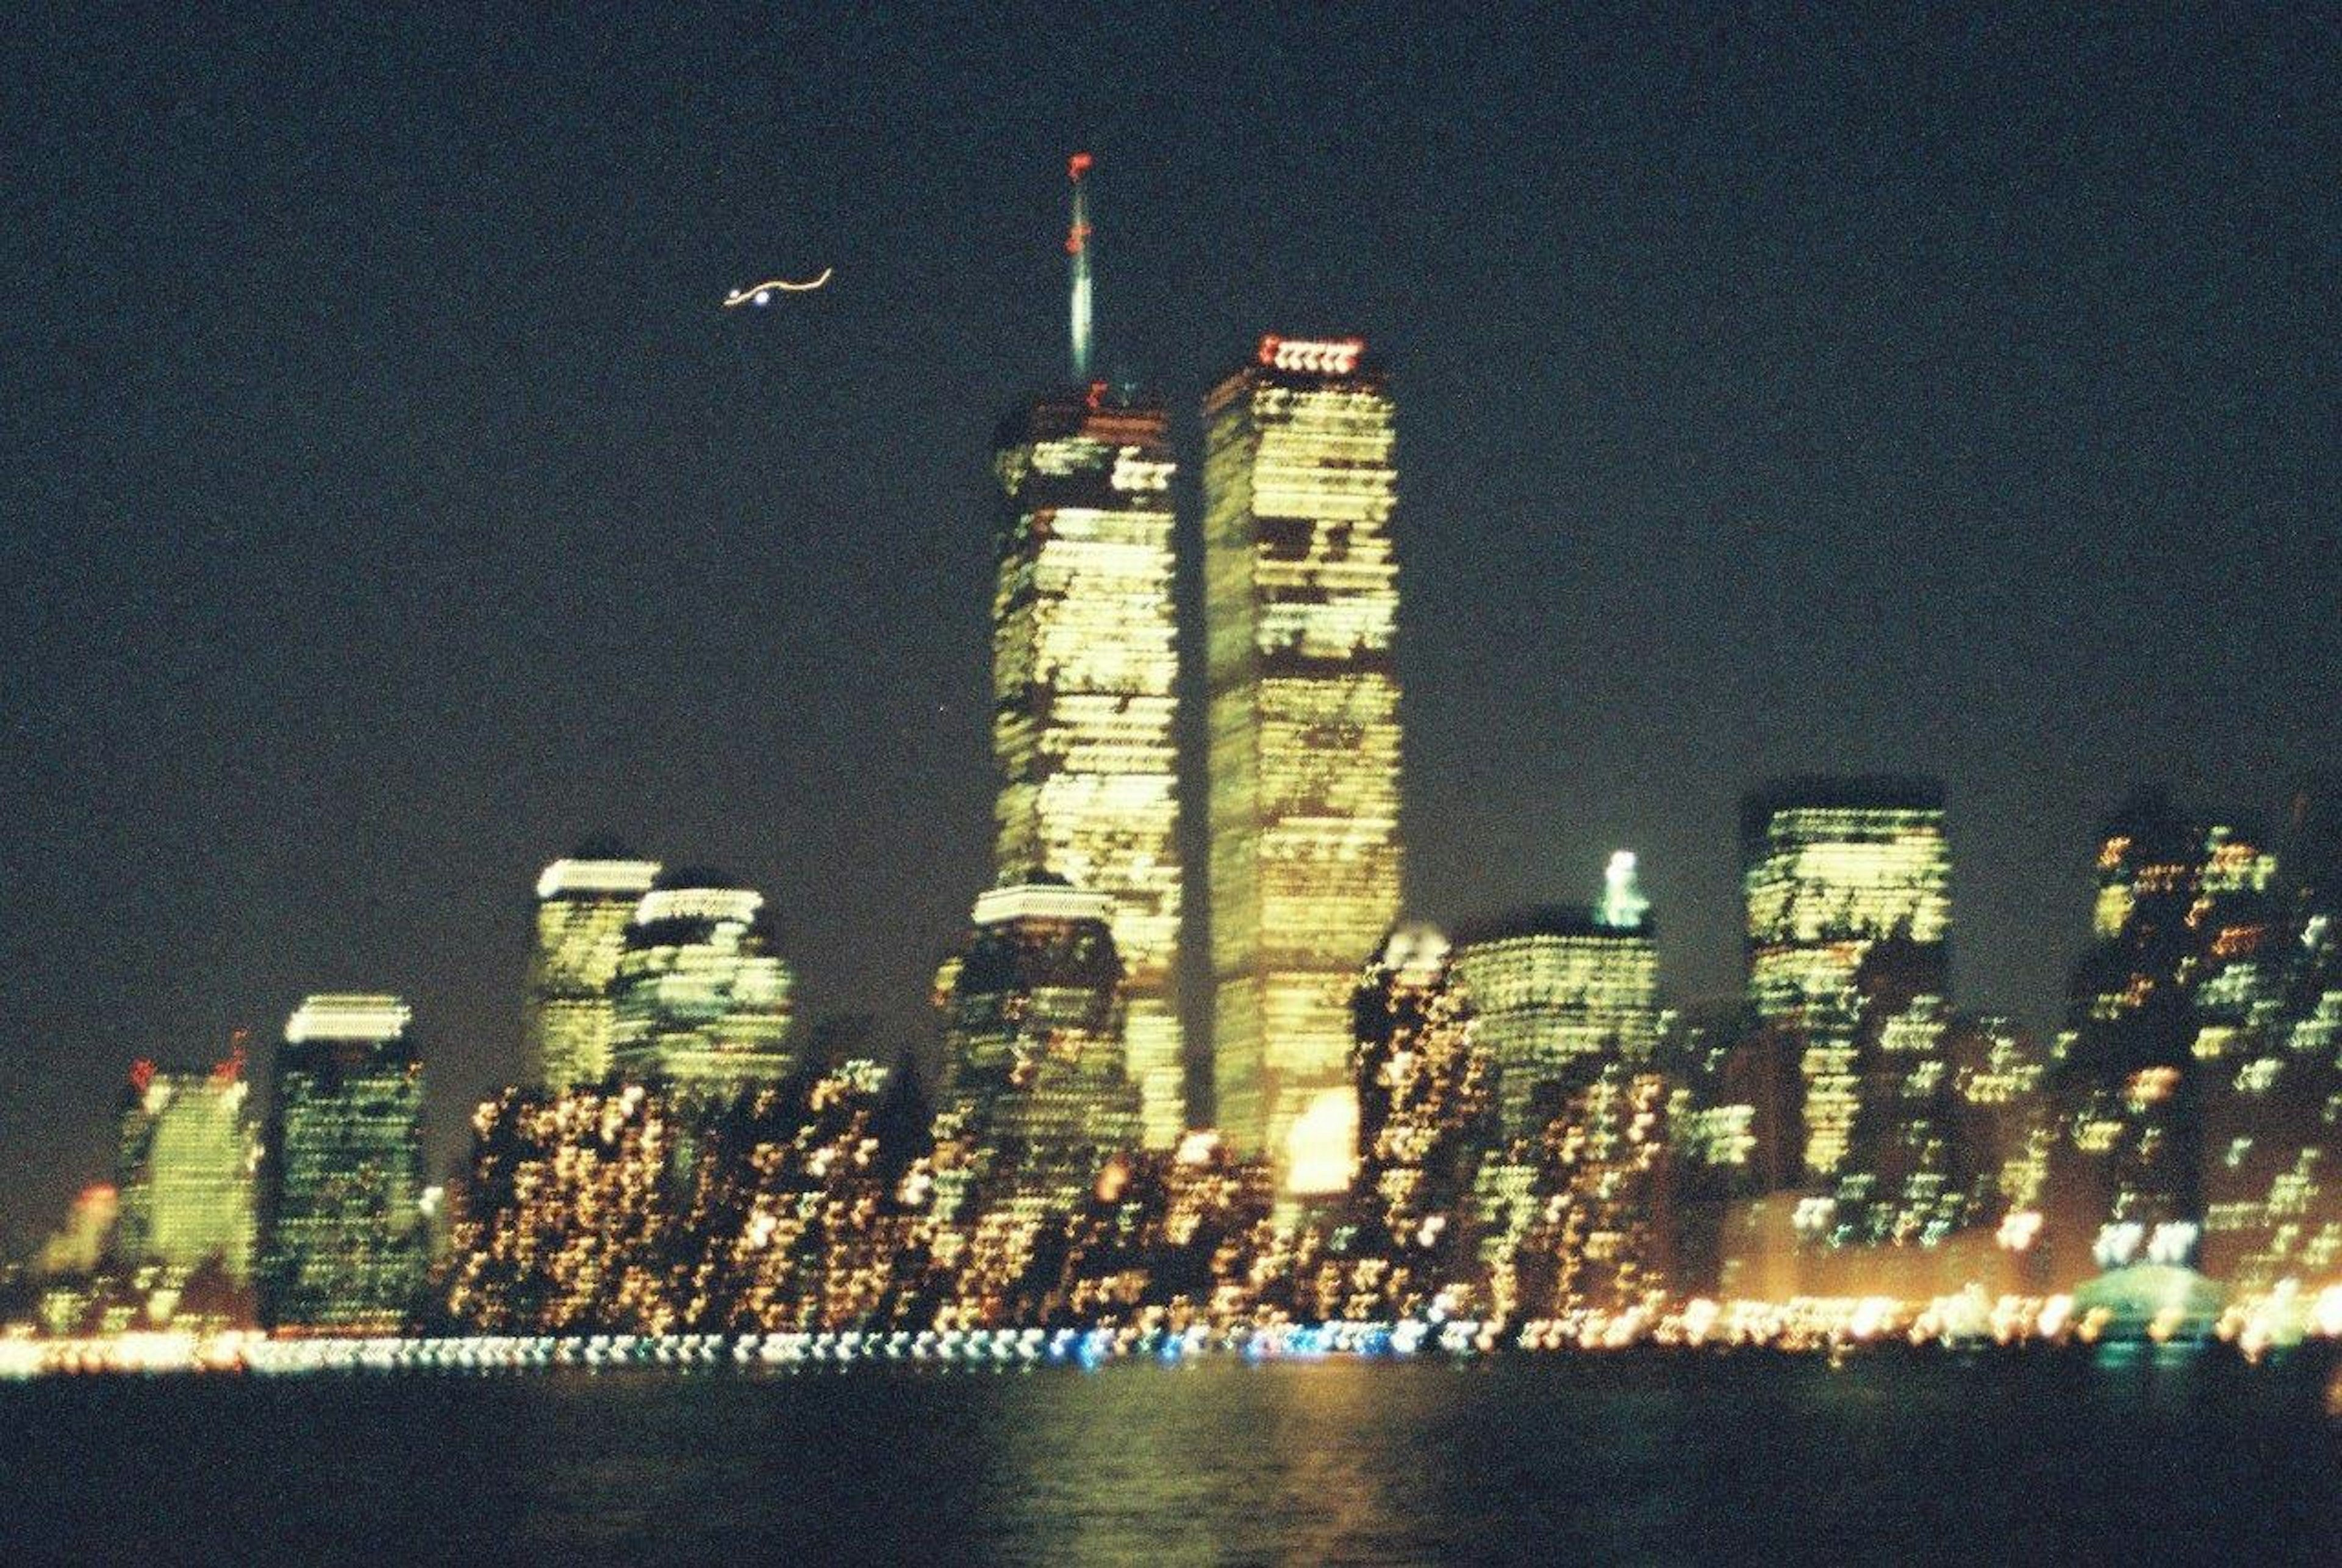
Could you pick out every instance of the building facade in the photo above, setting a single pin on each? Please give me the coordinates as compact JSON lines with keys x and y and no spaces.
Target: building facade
{"x":584,"y":906}
{"x":1403,"y":1246}
{"x":1565,"y":1000}
{"x":1848,"y":903}
{"x":1084,"y":664}
{"x":2273,"y":1177}
{"x":1301,"y":598}
{"x":2171,"y":1002}
{"x":342,"y":1248}
{"x":700,"y":1001}
{"x":185,"y":1170}
{"x":1033,"y":1083}
{"x":1555,"y":987}
{"x":1601,"y":1231}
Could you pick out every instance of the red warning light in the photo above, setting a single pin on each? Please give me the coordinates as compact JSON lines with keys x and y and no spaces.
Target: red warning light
{"x":1077,"y":165}
{"x":141,"y":1073}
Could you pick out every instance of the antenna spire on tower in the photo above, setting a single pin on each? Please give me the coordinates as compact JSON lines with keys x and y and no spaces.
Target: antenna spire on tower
{"x":1077,"y":251}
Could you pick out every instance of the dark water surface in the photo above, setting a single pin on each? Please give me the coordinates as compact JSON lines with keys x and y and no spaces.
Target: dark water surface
{"x":2038,"y":1458}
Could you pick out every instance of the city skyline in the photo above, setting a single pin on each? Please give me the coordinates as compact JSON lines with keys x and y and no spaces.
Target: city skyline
{"x":160,"y":902}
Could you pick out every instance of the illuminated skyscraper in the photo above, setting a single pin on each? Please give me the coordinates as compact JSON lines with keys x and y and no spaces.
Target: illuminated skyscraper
{"x":186,"y":1169}
{"x":1301,"y":597}
{"x":700,"y":1001}
{"x":1552,"y":987}
{"x":1601,"y":1233}
{"x":584,"y":906}
{"x":2273,"y":1113}
{"x":1848,"y":927}
{"x":1423,"y":1084}
{"x":1999,"y":1073}
{"x":1565,"y":1000}
{"x":2174,"y":997}
{"x":1083,"y":661}
{"x":1032,"y":1062}
{"x":1034,"y":1101}
{"x":342,"y":1243}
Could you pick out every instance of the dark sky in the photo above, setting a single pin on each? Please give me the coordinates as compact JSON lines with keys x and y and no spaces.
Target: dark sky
{"x":387,"y":505}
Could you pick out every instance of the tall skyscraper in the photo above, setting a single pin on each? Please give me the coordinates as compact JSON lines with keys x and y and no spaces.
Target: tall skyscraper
{"x":584,"y":906}
{"x":1848,"y":927}
{"x":2164,"y":1007}
{"x":1084,"y":662}
{"x":1301,"y":599}
{"x":700,"y":1001}
{"x":342,"y":1248}
{"x":186,"y":1169}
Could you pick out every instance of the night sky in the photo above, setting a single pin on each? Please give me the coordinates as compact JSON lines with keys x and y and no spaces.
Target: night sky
{"x":386,"y":503}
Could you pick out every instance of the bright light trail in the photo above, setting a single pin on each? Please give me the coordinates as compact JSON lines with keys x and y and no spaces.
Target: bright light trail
{"x":762,"y":294}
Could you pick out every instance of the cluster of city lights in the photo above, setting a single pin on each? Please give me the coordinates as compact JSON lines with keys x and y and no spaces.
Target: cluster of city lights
{"x":2286,"y":1316}
{"x":1503,"y":1142}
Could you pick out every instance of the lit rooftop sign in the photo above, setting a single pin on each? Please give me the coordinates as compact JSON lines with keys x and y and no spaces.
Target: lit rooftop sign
{"x":1320,"y":356}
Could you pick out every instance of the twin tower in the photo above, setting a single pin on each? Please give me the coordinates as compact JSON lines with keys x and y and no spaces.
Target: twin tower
{"x":1301,"y":604}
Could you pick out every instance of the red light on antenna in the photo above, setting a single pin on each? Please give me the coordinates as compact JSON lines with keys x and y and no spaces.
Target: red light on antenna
{"x":1074,"y":239}
{"x":141,"y":1073}
{"x":1077,"y":165}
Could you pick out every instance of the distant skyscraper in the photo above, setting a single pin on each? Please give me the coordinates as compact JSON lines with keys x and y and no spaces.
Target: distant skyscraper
{"x":1555,"y":987}
{"x":1083,"y":665}
{"x":1565,"y":1000}
{"x":2163,"y":1006}
{"x":2003,"y":1124}
{"x":342,"y":1248}
{"x":1033,"y":1063}
{"x":584,"y":906}
{"x":1301,"y":599}
{"x":2273,"y":1112}
{"x":1848,"y":928}
{"x":186,"y":1169}
{"x":76,"y":1247}
{"x":700,"y":1000}
{"x":1424,"y":1124}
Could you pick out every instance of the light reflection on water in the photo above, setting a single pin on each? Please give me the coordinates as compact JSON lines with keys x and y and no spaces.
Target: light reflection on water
{"x":1610,"y":1459}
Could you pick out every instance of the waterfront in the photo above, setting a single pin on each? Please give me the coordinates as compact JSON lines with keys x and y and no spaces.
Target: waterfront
{"x":2066,"y":1456}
